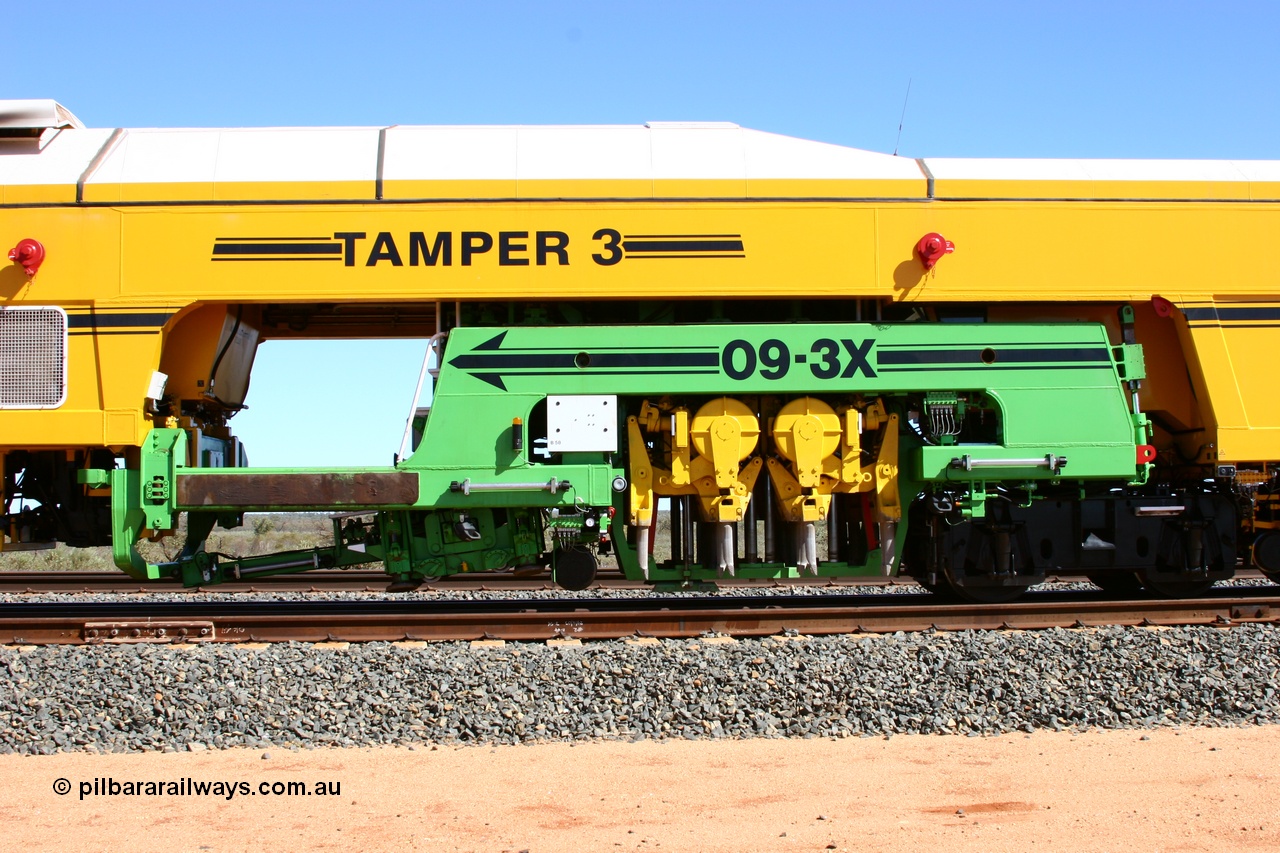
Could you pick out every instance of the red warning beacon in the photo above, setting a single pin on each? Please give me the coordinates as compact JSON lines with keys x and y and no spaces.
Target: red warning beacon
{"x":28,"y":253}
{"x":932,"y":247}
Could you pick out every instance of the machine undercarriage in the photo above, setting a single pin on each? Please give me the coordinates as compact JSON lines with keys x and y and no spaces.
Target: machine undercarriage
{"x":978,"y":458}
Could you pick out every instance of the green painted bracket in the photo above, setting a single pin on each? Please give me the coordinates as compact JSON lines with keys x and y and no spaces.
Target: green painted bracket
{"x":128,"y":521}
{"x":163,"y":453}
{"x":1130,"y":362}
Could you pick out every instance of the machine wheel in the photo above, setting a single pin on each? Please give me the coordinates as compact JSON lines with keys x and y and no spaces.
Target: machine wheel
{"x":1117,"y":583}
{"x":942,"y":588}
{"x":1266,"y":554}
{"x":404,"y":583}
{"x":913,"y":559}
{"x":988,"y":594}
{"x":1156,"y":585}
{"x":984,"y":594}
{"x":939,"y":588}
{"x":574,"y":568}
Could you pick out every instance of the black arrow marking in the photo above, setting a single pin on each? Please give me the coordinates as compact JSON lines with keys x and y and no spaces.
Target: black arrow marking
{"x":490,"y":363}
{"x":493,"y":343}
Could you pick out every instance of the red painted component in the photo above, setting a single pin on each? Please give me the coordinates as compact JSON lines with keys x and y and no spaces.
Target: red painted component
{"x":1163,"y":307}
{"x":29,"y":253}
{"x":1146,"y":454}
{"x":869,"y":522}
{"x":932,"y":247}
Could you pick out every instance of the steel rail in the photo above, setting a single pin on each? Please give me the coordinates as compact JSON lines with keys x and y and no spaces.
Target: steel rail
{"x":544,"y":619}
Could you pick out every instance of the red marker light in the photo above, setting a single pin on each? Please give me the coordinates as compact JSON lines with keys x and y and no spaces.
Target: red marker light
{"x":932,"y":247}
{"x":29,"y":254}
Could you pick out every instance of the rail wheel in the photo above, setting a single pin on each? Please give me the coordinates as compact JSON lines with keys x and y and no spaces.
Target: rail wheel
{"x":988,"y":594}
{"x":1117,"y":583}
{"x":1266,"y":554}
{"x":939,"y":588}
{"x":1153,"y":583}
{"x":575,"y":568}
{"x":404,"y":583}
{"x":985,"y":593}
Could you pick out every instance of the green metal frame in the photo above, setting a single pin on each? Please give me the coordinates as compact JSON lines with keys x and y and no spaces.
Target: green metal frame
{"x":1059,"y":391}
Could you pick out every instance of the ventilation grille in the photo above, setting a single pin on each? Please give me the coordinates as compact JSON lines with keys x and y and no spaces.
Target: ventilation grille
{"x":33,"y":358}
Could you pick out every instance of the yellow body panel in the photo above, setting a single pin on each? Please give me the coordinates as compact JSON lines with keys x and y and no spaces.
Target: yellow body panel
{"x":38,"y":194}
{"x":110,"y":193}
{"x":1005,"y":251}
{"x":1235,"y":373}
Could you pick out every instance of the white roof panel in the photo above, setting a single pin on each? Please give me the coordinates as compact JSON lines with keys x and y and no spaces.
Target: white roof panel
{"x":665,"y":153}
{"x":770,"y":155}
{"x":601,"y":152}
{"x":1259,"y":170}
{"x":60,"y":159}
{"x":450,"y":153}
{"x":657,"y":151}
{"x":298,"y":154}
{"x":258,"y":155}
{"x":697,"y":152}
{"x":160,"y":156}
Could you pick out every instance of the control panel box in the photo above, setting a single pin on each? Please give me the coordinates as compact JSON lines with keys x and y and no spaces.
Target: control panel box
{"x":582,"y":423}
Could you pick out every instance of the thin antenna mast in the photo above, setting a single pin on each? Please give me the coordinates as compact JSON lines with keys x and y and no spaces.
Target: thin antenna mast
{"x":902,"y":117}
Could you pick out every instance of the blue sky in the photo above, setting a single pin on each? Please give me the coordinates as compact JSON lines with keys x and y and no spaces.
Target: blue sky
{"x":1085,"y":79}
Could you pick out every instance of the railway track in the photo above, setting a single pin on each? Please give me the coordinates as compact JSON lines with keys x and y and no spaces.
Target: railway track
{"x":552,"y":619}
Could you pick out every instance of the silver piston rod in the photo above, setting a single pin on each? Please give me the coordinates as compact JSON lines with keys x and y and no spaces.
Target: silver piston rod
{"x":807,"y":548}
{"x":1050,"y":461}
{"x":725,"y":552}
{"x":642,"y":548}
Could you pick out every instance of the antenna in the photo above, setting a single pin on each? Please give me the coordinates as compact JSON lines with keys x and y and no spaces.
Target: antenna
{"x":902,"y":117}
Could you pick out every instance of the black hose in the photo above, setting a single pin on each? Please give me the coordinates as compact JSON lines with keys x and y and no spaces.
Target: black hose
{"x":217,"y":362}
